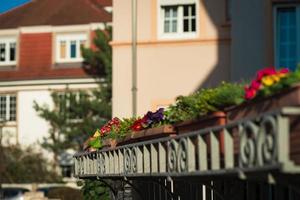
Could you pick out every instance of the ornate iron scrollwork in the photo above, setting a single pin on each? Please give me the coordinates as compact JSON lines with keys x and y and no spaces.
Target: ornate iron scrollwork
{"x":182,"y":156}
{"x":127,"y":161}
{"x":258,"y":143}
{"x":248,"y":144}
{"x":133,"y":159}
{"x":172,"y":156}
{"x":101,"y":163}
{"x":81,"y":165}
{"x":267,"y":140}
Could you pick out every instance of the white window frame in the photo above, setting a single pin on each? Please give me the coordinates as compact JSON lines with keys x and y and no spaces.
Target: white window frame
{"x":7,"y":107}
{"x":7,"y":41}
{"x":180,"y":34}
{"x":68,"y":38}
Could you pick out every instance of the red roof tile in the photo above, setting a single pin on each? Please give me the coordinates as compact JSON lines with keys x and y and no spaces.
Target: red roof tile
{"x":56,"y":12}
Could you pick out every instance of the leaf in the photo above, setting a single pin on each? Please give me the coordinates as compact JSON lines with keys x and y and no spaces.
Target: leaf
{"x":96,"y":143}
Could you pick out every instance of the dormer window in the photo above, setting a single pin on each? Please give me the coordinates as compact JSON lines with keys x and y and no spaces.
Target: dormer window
{"x":68,"y":47}
{"x":178,"y":19}
{"x":8,"y":51}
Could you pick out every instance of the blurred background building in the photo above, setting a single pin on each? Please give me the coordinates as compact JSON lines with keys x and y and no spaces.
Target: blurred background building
{"x":40,"y":45}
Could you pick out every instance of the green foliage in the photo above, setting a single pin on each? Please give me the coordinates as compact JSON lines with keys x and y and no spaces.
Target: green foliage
{"x":122,"y":130}
{"x":24,"y":166}
{"x":73,"y":121}
{"x":96,"y":143}
{"x":205,"y":101}
{"x":94,"y":190}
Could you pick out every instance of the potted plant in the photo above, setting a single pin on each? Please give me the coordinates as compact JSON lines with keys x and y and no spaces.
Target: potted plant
{"x":151,"y":125}
{"x":269,"y":90}
{"x":204,"y":108}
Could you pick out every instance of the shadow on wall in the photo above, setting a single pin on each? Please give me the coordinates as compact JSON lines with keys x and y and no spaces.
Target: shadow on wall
{"x":218,"y":16}
{"x":245,"y":33}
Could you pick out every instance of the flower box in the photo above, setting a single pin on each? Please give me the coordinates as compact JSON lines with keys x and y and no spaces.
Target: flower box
{"x":86,"y":146}
{"x":148,"y":134}
{"x":209,"y":121}
{"x":287,"y":97}
{"x":109,"y":143}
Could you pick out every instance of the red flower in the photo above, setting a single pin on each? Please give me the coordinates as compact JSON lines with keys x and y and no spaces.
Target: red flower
{"x":250,"y":93}
{"x":265,"y":72}
{"x":284,"y":71}
{"x":255,"y":84}
{"x":139,"y":124}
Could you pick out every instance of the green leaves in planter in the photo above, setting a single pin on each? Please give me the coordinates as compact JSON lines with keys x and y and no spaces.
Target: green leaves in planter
{"x":96,"y":143}
{"x":205,"y":101}
{"x":227,"y":94}
{"x":122,"y":130}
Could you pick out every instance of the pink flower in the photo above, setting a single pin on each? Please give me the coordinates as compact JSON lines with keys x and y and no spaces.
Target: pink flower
{"x":284,"y":71}
{"x":255,"y":84}
{"x":265,"y":72}
{"x":250,"y":93}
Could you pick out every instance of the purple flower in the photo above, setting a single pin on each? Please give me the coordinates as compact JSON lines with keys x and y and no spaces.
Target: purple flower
{"x":155,"y":117}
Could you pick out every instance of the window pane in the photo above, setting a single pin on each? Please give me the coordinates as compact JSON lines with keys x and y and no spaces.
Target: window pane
{"x":193,"y":8}
{"x":186,"y":25}
{"x":174,"y":26}
{"x":174,"y":12}
{"x":12,"y":108}
{"x":286,"y":38}
{"x":167,"y":12}
{"x":12,"y":51}
{"x":193,"y":25}
{"x":167,"y":26}
{"x":2,"y":52}
{"x":73,"y":49}
{"x":62,"y":49}
{"x":2,"y":107}
{"x":185,"y":11}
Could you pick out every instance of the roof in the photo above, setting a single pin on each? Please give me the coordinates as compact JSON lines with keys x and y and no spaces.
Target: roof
{"x":56,"y":12}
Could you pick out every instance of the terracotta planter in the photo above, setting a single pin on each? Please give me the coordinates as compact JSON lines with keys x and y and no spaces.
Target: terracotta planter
{"x":148,"y":134}
{"x":86,"y":146}
{"x":209,"y":121}
{"x":109,"y":143}
{"x":288,"y":97}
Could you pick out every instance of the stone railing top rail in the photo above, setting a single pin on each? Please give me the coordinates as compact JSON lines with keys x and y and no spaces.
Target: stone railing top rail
{"x":261,"y":143}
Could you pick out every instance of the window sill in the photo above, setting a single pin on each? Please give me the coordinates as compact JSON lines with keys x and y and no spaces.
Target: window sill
{"x":178,"y":36}
{"x":68,"y":65}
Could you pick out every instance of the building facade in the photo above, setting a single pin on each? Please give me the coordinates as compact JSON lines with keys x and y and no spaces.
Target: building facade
{"x":183,"y":45}
{"x":40,"y":53}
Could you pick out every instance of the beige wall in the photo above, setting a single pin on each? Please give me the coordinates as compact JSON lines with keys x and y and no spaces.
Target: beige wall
{"x":167,"y":68}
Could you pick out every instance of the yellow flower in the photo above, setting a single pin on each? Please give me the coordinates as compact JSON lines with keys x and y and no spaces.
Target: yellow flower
{"x":96,"y":134}
{"x":272,"y":79}
{"x":267,"y":80}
